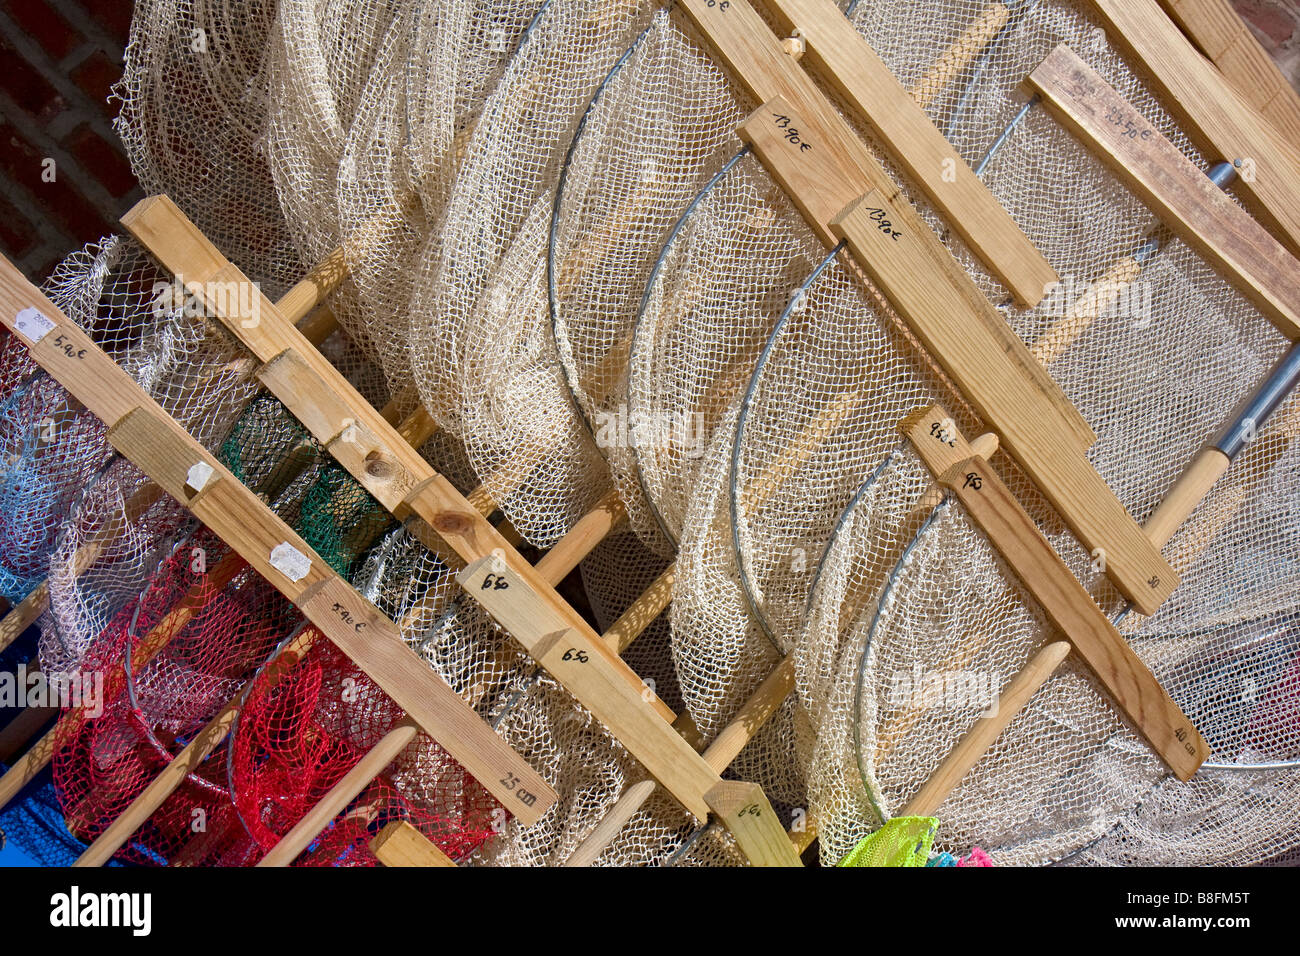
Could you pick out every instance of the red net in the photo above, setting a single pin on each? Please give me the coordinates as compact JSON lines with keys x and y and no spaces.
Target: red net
{"x":165,"y":665}
{"x":298,"y":735}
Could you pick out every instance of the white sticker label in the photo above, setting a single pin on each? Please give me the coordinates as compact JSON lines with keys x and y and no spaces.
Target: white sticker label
{"x":290,"y":562}
{"x":33,"y":324}
{"x":198,"y":475}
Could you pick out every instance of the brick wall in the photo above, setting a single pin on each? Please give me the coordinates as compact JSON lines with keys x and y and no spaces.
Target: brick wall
{"x":63,"y":177}
{"x":1276,"y":24}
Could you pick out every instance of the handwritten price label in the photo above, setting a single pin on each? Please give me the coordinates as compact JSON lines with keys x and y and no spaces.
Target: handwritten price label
{"x":791,"y":133}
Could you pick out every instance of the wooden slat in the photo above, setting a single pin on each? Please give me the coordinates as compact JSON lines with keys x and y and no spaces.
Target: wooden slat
{"x":745,"y":811}
{"x":1220,"y":121}
{"x":246,"y":313}
{"x":742,"y":41}
{"x":143,"y":432}
{"x":352,"y":623}
{"x":400,"y":844}
{"x":808,"y":173}
{"x":838,"y":52}
{"x":988,"y":372}
{"x":1218,"y":31}
{"x":1068,"y":606}
{"x":367,"y":445}
{"x":591,"y":672}
{"x":1171,"y":185}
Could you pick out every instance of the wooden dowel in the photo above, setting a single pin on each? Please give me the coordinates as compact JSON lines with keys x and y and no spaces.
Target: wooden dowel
{"x":341,"y":794}
{"x":611,"y":824}
{"x":319,"y":325}
{"x":959,"y":56}
{"x":986,"y":730}
{"x":753,"y":714}
{"x":1187,"y":492}
{"x":579,"y":541}
{"x":24,"y":614}
{"x":1100,"y":296}
{"x":641,"y":612}
{"x":189,"y":759}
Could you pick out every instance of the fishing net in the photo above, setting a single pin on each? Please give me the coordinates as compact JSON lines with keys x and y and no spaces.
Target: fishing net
{"x":52,"y":447}
{"x":49,"y":449}
{"x":552,"y":233}
{"x":168,"y":661}
{"x":194,"y":108}
{"x":370,"y":105}
{"x":482,"y":352}
{"x":298,"y":735}
{"x":182,"y":649}
{"x":878,"y":659}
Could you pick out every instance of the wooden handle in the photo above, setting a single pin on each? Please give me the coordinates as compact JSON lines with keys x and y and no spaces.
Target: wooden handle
{"x":986,"y":730}
{"x":341,"y":794}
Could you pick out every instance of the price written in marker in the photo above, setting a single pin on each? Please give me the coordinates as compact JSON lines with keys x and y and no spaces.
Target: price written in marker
{"x":943,"y":432}
{"x":494,"y":582}
{"x":790,"y":132}
{"x":879,"y":217}
{"x":346,"y":617}
{"x":61,"y":342}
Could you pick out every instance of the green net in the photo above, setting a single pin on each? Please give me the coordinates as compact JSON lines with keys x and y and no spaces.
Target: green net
{"x":902,"y":841}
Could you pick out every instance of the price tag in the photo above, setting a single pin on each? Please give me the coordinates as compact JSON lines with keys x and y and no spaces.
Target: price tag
{"x":33,"y":324}
{"x":290,"y":562}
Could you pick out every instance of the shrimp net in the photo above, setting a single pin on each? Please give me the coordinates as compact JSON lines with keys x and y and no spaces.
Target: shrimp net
{"x":556,"y":245}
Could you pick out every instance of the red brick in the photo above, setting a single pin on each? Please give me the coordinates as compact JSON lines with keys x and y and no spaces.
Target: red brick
{"x":101,"y":159}
{"x":17,"y":233}
{"x":61,"y":201}
{"x":96,"y":77}
{"x":113,"y":17}
{"x":1274,"y":23}
{"x":45,"y":25}
{"x":32,"y":93}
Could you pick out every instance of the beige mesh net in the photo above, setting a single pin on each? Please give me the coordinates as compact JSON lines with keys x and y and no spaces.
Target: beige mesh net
{"x":556,"y":245}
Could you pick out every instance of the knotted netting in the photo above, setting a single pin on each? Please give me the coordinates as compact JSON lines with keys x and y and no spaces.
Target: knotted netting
{"x":1152,"y":364}
{"x":297,"y":735}
{"x":168,"y":662}
{"x":552,"y":232}
{"x":53,"y":447}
